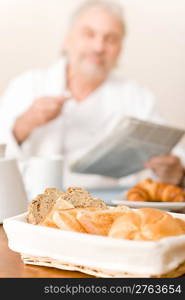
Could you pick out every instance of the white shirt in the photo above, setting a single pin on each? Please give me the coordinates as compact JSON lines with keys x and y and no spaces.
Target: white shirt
{"x":78,"y":124}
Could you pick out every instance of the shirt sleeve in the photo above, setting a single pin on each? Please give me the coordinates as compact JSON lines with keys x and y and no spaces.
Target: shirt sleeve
{"x":13,"y":103}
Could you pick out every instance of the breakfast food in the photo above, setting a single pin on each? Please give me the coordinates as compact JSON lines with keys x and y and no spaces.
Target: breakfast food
{"x":146,"y":224}
{"x":99,"y":222}
{"x":67,"y":219}
{"x":60,"y":204}
{"x":76,"y":210}
{"x":42,"y":206}
{"x":82,"y":198}
{"x":38,"y":208}
{"x":104,"y":239}
{"x":149,"y":190}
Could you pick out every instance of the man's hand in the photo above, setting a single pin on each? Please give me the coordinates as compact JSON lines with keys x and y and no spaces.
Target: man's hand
{"x":44,"y":110}
{"x":167,"y":167}
{"x":40,"y":112}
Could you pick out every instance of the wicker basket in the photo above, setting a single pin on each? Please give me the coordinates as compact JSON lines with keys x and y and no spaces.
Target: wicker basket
{"x":75,"y":251}
{"x":49,"y":262}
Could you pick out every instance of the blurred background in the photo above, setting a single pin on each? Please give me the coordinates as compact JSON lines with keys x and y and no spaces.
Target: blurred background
{"x":32,"y":33}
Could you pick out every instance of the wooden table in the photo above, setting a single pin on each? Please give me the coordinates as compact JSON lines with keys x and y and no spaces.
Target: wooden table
{"x":11,"y":265}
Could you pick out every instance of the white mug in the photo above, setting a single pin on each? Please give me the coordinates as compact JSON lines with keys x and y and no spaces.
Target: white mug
{"x":13,"y":198}
{"x":40,"y":173}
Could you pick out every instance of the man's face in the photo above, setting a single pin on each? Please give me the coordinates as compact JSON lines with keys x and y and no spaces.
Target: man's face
{"x":94,"y":42}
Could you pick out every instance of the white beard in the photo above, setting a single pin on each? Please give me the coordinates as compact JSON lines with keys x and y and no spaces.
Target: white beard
{"x":92,"y":70}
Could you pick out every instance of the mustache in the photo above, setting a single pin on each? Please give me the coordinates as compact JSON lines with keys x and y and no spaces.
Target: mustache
{"x":95,"y":54}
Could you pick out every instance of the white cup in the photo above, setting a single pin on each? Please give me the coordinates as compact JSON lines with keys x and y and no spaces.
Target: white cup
{"x":13,"y":198}
{"x":40,"y":173}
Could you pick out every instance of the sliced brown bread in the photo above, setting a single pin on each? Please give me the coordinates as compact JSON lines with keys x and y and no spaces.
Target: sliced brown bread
{"x":52,"y":198}
{"x":38,"y":208}
{"x":53,"y":193}
{"x":42,"y":204}
{"x":82,"y":198}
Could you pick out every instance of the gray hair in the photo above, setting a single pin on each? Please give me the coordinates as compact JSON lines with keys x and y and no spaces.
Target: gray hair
{"x":113,"y":8}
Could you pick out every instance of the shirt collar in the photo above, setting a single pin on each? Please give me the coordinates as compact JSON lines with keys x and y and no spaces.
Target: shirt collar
{"x":56,"y":77}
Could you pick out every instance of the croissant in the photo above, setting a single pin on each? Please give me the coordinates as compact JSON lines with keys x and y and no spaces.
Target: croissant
{"x":146,"y":224}
{"x":149,"y":190}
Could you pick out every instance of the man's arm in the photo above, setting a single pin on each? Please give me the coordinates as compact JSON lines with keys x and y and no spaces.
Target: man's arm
{"x":22,"y":128}
{"x":13,"y":101}
{"x":40,"y":112}
{"x":15,"y":125}
{"x":168,"y":168}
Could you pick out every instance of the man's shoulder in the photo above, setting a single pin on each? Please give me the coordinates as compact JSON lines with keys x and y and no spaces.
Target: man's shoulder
{"x":129,"y":96}
{"x":27,"y":78}
{"x":120,"y":83}
{"x":37,"y":74}
{"x":127,"y":88}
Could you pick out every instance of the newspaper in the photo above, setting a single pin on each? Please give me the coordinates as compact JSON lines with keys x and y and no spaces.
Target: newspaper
{"x":127,"y":147}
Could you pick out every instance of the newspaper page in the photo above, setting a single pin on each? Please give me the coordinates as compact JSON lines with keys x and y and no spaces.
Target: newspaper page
{"x":129,"y":145}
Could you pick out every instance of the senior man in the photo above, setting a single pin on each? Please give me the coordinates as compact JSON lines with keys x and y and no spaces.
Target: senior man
{"x":40,"y":117}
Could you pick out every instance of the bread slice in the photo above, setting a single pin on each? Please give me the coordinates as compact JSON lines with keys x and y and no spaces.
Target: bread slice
{"x":54,"y":193}
{"x":40,"y":206}
{"x":99,"y":222}
{"x":82,"y":198}
{"x":62,"y":204}
{"x":59,"y":204}
{"x":67,"y":221}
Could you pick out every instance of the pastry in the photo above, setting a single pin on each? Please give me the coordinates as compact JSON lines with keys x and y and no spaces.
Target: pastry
{"x":100,"y":221}
{"x":67,"y":219}
{"x":76,"y":210}
{"x":149,"y":190}
{"x":146,"y":224}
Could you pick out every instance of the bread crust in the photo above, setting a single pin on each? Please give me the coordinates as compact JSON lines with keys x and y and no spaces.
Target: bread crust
{"x":99,"y":222}
{"x":152,"y":191}
{"x":76,"y":210}
{"x":41,"y":207}
{"x":146,"y":224}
